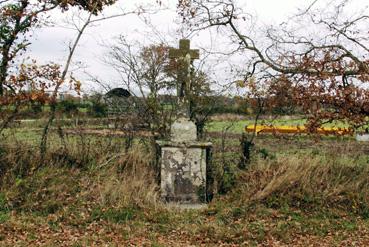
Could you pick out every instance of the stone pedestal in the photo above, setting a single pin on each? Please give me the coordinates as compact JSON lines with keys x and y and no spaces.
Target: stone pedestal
{"x":184,"y":165}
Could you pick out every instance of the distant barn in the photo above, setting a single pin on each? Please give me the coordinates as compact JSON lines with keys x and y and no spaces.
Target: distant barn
{"x":119,"y":101}
{"x":118,"y":92}
{"x":123,"y":110}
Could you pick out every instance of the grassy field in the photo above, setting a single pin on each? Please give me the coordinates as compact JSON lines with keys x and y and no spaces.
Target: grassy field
{"x":89,"y":191}
{"x":238,"y":126}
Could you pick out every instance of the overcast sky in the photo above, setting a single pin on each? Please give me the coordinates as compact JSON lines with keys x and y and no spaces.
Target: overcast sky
{"x":51,"y":43}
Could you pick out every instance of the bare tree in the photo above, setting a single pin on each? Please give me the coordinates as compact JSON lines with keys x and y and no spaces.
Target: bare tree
{"x":146,"y":73}
{"x":90,"y":20}
{"x":322,"y":52}
{"x":149,"y":74}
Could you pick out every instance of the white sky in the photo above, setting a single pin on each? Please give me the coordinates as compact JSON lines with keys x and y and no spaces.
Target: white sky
{"x":51,"y":43}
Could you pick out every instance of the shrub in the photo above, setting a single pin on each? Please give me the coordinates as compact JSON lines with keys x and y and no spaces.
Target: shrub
{"x":98,"y":109}
{"x":36,"y":108}
{"x":68,"y":106}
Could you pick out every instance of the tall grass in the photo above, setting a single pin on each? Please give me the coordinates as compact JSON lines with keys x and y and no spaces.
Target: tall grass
{"x":116,"y":178}
{"x":94,"y":174}
{"x":306,"y":181}
{"x":129,"y":181}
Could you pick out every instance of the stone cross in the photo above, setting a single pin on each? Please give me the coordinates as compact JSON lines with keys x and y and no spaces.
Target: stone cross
{"x":184,"y":159}
{"x":185,"y":58}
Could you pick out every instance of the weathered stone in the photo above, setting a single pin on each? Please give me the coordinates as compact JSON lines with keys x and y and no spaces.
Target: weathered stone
{"x":187,"y":206}
{"x":183,"y":130}
{"x":185,"y":57}
{"x":183,"y":174}
{"x":362,"y":137}
{"x":183,"y":171}
{"x":184,"y":49}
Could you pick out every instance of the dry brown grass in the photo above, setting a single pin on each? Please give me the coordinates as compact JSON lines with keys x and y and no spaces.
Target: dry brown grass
{"x":129,"y":181}
{"x":307,"y":180}
{"x":119,"y":179}
{"x":15,"y":161}
{"x":96,"y":177}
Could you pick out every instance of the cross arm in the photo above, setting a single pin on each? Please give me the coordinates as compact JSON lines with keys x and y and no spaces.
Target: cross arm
{"x":177,"y":53}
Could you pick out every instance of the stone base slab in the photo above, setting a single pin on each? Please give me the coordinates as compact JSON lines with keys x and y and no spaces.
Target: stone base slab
{"x":362,"y":137}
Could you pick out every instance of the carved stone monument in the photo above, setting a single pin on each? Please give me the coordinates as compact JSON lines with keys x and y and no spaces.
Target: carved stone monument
{"x":184,"y":159}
